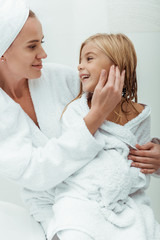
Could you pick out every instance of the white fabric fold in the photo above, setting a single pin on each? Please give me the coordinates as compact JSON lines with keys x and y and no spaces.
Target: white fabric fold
{"x":13,"y":15}
{"x":97,"y":199}
{"x":39,"y":159}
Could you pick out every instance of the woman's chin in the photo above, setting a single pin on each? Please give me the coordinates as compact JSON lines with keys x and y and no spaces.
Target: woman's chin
{"x":36,"y":75}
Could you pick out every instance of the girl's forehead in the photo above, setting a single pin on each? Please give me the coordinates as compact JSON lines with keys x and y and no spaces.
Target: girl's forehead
{"x":89,"y":47}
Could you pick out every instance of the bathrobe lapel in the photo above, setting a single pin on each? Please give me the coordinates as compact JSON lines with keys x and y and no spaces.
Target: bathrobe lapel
{"x":44,"y":107}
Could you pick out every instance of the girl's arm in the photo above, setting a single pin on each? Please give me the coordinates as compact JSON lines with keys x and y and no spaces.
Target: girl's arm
{"x":41,"y":168}
{"x":147,"y":157}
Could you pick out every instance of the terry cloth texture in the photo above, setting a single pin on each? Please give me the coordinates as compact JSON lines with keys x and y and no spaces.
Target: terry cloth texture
{"x":106,"y":199}
{"x":39,"y":158}
{"x":13,"y":15}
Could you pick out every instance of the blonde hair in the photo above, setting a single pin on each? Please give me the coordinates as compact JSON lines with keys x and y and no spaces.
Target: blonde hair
{"x":121,"y":51}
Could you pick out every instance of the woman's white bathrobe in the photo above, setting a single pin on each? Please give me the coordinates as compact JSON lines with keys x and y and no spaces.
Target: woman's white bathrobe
{"x":33,"y":157}
{"x":105,"y":199}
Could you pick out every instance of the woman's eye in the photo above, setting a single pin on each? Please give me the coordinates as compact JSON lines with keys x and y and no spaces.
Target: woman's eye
{"x":32,"y":46}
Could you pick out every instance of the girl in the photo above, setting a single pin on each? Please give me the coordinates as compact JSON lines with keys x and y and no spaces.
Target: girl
{"x":105,"y":200}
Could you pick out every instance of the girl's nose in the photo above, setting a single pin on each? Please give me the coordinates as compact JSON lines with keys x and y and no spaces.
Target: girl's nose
{"x":80,"y":66}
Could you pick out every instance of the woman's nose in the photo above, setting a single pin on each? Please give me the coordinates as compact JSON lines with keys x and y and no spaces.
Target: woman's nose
{"x":42,"y":54}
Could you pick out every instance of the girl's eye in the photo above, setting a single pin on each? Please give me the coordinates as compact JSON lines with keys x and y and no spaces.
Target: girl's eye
{"x":89,"y":58}
{"x":42,"y":41}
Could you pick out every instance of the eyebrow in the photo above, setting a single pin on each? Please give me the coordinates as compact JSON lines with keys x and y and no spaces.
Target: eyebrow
{"x":90,"y":53}
{"x":33,"y":41}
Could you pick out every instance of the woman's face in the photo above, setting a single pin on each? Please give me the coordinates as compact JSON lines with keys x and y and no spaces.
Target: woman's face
{"x":24,"y":57}
{"x":93,"y":60}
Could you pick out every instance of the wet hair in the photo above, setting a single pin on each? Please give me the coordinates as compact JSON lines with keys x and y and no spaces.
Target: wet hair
{"x":31,"y":14}
{"x":120,"y":50}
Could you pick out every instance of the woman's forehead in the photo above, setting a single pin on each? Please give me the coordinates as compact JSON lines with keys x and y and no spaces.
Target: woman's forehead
{"x":31,"y":30}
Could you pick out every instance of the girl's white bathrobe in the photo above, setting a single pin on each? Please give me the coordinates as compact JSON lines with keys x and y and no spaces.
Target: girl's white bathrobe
{"x":39,"y":159}
{"x":105,"y":199}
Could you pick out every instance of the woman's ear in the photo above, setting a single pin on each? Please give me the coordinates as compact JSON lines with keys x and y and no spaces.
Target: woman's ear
{"x":3,"y":59}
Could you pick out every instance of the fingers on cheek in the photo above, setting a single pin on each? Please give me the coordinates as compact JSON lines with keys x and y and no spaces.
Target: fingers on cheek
{"x":136,"y":165}
{"x":131,"y":157}
{"x":112,"y":70}
{"x":146,"y":171}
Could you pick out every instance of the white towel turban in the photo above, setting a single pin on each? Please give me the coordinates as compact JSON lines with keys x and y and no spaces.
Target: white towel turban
{"x":13,"y":15}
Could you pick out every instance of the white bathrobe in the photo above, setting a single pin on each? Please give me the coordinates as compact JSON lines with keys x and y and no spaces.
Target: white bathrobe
{"x":33,"y":157}
{"x":105,"y":199}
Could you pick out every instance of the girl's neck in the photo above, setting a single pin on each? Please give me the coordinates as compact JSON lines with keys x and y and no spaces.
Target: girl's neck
{"x":123,"y":112}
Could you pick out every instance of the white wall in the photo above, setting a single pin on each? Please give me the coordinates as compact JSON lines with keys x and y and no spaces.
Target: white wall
{"x":67,"y":23}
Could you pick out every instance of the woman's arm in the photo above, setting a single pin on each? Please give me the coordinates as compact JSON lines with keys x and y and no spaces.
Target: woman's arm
{"x":147,"y":157}
{"x":40,"y":168}
{"x":105,"y":98}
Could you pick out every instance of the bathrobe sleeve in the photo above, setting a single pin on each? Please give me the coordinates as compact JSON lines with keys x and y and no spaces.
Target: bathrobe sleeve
{"x":44,"y":167}
{"x":157,"y":141}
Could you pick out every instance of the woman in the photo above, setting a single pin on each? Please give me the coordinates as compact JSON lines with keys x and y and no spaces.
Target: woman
{"x":48,"y":159}
{"x":38,"y":158}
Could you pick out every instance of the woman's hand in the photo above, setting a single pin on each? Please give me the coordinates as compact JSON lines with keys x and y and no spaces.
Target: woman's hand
{"x":108,"y":93}
{"x":106,"y":96}
{"x":147,"y":157}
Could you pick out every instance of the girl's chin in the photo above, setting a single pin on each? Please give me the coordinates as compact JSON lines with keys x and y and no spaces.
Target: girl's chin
{"x":88,"y":91}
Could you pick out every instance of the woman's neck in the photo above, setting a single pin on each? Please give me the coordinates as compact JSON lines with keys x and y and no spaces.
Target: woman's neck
{"x":13,"y":87}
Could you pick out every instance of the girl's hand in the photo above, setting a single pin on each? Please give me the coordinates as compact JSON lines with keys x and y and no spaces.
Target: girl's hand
{"x":106,"y":96}
{"x":147,"y":157}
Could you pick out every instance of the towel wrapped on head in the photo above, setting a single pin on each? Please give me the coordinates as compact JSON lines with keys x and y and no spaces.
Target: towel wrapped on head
{"x":13,"y":15}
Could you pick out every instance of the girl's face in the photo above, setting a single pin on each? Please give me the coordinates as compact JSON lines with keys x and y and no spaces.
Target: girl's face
{"x":92,"y":61}
{"x":24,"y":57}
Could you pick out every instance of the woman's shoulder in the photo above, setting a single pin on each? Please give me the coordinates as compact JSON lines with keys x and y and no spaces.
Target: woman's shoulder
{"x":62,"y":77}
{"x":59,"y":69}
{"x":77,"y":106}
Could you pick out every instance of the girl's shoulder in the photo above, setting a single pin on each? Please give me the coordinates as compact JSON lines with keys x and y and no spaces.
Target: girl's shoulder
{"x":133,"y":109}
{"x":138,"y":107}
{"x":125,"y":112}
